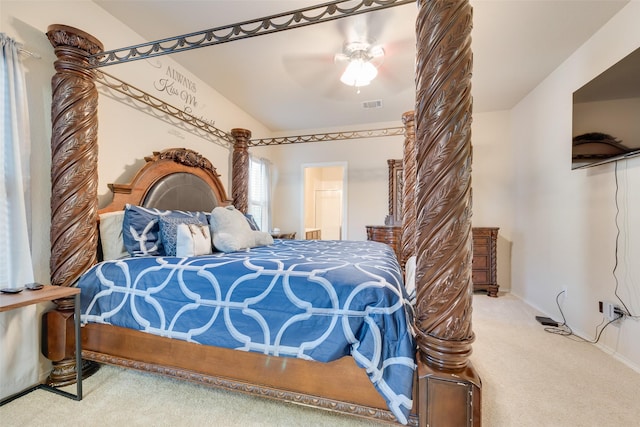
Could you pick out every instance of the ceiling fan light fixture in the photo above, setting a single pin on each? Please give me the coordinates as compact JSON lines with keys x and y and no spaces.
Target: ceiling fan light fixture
{"x":359,"y":72}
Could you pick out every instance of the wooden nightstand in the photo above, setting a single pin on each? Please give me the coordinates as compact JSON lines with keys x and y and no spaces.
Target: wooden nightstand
{"x":281,"y":235}
{"x":312,"y":234}
{"x":48,"y":293}
{"x":389,"y":234}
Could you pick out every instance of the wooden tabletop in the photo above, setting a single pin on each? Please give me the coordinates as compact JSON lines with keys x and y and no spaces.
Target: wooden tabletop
{"x":28,"y":297}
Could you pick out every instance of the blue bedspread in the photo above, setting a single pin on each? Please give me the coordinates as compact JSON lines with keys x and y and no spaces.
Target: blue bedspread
{"x":311,"y":299}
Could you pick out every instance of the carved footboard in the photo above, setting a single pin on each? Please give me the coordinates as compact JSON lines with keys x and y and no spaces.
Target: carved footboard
{"x":339,"y":386}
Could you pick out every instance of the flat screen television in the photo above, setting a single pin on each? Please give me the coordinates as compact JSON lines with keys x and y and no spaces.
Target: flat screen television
{"x":606,"y":115}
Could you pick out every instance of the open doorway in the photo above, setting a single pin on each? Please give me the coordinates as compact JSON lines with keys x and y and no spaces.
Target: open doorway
{"x":324,"y":201}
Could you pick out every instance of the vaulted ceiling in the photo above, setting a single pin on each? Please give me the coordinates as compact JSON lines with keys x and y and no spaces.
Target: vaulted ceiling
{"x":290,"y":81}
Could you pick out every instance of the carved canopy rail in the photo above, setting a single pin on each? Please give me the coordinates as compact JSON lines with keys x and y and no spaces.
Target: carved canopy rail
{"x":145,"y":98}
{"x":280,"y":22}
{"x":158,"y":104}
{"x":256,"y":27}
{"x":334,"y":136}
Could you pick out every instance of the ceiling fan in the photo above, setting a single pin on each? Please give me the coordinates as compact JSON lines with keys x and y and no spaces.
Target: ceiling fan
{"x":320,"y":57}
{"x":363,"y":60}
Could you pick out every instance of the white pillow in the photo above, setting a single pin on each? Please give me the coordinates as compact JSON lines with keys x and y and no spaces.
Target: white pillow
{"x":111,"y":235}
{"x":231,"y":231}
{"x":262,"y":238}
{"x":410,"y":275}
{"x":193,"y":240}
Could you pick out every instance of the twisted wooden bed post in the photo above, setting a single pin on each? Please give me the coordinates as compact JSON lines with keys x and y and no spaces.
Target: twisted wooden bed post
{"x":74,"y":182}
{"x":240,"y":169}
{"x":447,"y":382}
{"x":392,"y":164}
{"x":408,"y":188}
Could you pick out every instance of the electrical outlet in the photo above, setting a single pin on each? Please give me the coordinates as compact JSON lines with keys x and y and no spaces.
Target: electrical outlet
{"x":609,"y":311}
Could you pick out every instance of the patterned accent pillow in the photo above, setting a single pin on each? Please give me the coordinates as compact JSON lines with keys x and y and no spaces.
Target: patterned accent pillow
{"x":193,"y":240}
{"x":169,"y":231}
{"x":141,"y":228}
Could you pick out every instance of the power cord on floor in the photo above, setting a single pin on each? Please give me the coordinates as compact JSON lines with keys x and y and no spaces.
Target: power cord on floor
{"x":564,"y":329}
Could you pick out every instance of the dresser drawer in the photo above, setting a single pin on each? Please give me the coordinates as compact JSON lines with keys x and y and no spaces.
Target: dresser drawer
{"x":480,"y":261}
{"x":481,"y":245}
{"x":480,"y":277}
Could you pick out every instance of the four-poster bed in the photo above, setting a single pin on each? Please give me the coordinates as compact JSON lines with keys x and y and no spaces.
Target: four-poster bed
{"x":436,"y":228}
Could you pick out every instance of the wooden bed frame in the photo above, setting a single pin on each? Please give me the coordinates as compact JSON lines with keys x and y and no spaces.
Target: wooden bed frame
{"x":340,"y":385}
{"x":436,"y":227}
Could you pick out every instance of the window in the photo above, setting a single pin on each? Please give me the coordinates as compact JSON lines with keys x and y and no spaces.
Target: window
{"x":260,"y":191}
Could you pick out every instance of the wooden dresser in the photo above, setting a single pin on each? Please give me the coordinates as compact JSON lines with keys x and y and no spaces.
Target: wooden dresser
{"x":483,"y":270}
{"x":389,"y":234}
{"x":483,"y":265}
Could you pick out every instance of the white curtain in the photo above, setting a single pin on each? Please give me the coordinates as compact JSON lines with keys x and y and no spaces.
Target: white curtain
{"x":260,"y":191}
{"x":18,"y":328}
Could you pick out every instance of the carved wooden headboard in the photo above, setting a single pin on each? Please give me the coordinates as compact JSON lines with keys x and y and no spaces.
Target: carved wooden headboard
{"x":161,"y":181}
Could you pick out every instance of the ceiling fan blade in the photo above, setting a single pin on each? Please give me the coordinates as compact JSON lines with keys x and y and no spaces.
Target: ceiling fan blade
{"x":319,"y":75}
{"x":366,"y":27}
{"x":311,"y":72}
{"x":398,"y":70}
{"x":340,"y":57}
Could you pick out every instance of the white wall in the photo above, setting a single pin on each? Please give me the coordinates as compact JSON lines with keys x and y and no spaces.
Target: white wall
{"x":492,"y":184}
{"x":564,"y":234}
{"x":126,"y":134}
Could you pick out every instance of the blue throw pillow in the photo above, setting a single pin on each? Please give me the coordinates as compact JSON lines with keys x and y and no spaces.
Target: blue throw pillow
{"x":169,"y":231}
{"x":141,"y":228}
{"x":252,"y":222}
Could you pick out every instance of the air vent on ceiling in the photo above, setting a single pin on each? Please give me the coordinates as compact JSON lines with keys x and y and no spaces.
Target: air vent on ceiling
{"x":377,"y":103}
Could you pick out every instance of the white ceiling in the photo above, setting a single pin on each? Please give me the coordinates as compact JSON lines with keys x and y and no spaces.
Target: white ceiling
{"x":289,"y":80}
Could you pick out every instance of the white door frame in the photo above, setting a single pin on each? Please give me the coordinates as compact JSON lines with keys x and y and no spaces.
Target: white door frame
{"x":304,"y":166}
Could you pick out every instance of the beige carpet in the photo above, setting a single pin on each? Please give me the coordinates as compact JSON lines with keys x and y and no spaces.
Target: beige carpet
{"x":533,"y":378}
{"x":530,"y":378}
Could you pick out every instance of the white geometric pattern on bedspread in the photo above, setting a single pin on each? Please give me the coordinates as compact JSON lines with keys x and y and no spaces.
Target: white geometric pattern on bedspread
{"x":315,"y":300}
